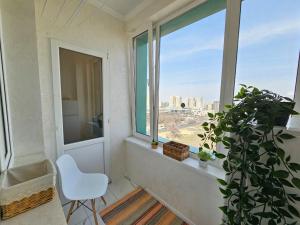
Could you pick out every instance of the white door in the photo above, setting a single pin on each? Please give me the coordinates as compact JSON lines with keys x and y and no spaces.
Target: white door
{"x":80,"y":85}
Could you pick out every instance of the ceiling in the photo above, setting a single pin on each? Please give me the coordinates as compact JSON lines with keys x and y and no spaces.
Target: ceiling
{"x":121,"y":8}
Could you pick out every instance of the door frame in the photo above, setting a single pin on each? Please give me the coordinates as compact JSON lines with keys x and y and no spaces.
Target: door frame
{"x":60,"y":146}
{"x":7,"y":154}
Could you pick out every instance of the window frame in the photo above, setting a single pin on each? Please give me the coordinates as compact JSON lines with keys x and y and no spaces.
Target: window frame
{"x":229,"y":63}
{"x":230,"y":46}
{"x":132,"y":84}
{"x":6,"y":154}
{"x":229,"y":60}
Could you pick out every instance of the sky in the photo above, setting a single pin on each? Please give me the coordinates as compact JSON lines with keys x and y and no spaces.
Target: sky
{"x":269,"y":45}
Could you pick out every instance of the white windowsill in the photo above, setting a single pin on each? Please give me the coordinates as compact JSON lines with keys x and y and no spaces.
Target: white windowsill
{"x":189,"y":163}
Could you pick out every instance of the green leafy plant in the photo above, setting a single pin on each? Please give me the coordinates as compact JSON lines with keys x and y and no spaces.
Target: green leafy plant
{"x":205,"y":155}
{"x":154,"y":142}
{"x":262,"y":185}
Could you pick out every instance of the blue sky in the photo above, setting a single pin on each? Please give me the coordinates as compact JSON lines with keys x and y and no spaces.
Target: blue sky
{"x":191,"y":58}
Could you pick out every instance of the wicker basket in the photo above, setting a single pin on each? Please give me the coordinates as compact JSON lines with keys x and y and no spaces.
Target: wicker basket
{"x":176,"y":150}
{"x":26,"y":187}
{"x":25,"y":204}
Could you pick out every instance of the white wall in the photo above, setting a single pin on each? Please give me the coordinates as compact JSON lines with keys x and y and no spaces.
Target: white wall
{"x":22,"y":78}
{"x":92,"y":29}
{"x":186,"y":190}
{"x":195,"y":195}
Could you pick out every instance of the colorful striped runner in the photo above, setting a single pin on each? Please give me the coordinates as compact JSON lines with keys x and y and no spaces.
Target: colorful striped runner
{"x":139,"y":208}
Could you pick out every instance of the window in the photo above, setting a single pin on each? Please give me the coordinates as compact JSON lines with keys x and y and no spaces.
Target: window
{"x":269,"y":45}
{"x":142,"y":97}
{"x":190,"y":72}
{"x":82,"y":96}
{"x":203,"y":53}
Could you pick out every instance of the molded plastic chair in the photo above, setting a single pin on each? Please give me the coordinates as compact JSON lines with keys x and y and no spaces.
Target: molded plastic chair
{"x":80,"y":187}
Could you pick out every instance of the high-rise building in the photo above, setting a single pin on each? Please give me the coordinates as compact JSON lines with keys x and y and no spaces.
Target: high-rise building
{"x":175,"y":102}
{"x":172,"y":102}
{"x":194,"y":102}
{"x":191,"y":103}
{"x":209,"y":107}
{"x":199,"y":103}
{"x":178,"y":102}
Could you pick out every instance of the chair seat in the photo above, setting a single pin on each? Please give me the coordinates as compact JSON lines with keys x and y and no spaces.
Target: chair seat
{"x":87,"y":186}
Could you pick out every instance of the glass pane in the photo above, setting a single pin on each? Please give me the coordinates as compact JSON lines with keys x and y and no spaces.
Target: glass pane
{"x":142,"y":100}
{"x":269,"y":45}
{"x":82,"y":96}
{"x":190,"y":78}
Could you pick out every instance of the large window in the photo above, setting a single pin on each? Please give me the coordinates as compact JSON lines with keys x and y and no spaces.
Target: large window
{"x":269,"y":45}
{"x":190,"y":73}
{"x":203,"y":54}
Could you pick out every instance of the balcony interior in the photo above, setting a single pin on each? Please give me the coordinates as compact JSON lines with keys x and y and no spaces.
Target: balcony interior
{"x":107,"y":81}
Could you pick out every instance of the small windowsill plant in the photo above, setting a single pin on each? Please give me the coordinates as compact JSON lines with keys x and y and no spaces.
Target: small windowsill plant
{"x":204,"y":156}
{"x":154,"y":144}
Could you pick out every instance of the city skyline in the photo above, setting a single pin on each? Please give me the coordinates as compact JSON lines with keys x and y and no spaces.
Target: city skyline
{"x":191,"y":102}
{"x":191,"y":57}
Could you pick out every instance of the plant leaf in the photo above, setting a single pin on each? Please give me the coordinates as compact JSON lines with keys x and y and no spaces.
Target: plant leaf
{"x":224,"y":209}
{"x":286,"y":183}
{"x":294,"y":211}
{"x":294,"y":196}
{"x":222,"y":182}
{"x":220,"y":155}
{"x":281,"y":174}
{"x":285,"y":213}
{"x":294,"y":166}
{"x":286,"y":136}
{"x":281,"y":153}
{"x":206,"y":145}
{"x":205,"y":124}
{"x":226,"y":192}
{"x":296,"y":182}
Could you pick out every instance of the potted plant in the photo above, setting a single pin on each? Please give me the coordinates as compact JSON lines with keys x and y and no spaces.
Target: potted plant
{"x":154,"y":144}
{"x":284,"y":115}
{"x":204,"y":156}
{"x":261,"y":177}
{"x":279,"y":111}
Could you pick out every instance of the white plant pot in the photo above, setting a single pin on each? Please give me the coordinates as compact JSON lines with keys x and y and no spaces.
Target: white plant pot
{"x":202,"y":164}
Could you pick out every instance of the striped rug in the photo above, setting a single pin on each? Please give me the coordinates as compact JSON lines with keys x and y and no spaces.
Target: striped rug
{"x":139,"y":208}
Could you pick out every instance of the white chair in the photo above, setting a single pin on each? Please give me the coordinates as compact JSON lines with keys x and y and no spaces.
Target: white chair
{"x":80,"y":187}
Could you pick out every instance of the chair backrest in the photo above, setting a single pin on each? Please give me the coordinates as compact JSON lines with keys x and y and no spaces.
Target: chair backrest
{"x":68,"y":171}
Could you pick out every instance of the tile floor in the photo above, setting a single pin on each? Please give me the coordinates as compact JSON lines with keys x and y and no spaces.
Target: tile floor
{"x":115,"y":191}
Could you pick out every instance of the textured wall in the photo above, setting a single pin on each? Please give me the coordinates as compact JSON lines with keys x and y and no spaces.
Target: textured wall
{"x":21,"y":72}
{"x":92,"y":29}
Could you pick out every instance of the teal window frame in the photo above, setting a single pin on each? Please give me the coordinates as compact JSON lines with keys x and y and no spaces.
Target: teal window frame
{"x":231,"y":39}
{"x":141,"y":82}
